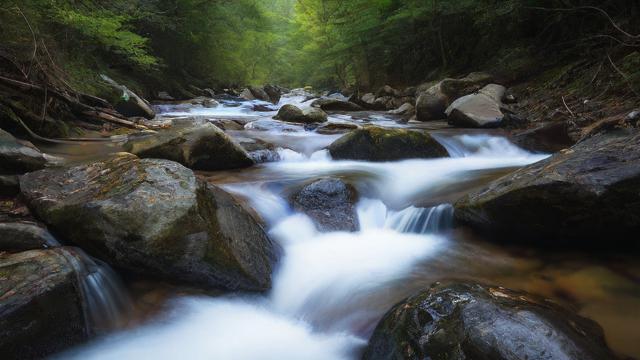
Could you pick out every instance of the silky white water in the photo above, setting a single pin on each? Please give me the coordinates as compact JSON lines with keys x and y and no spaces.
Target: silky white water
{"x":329,"y":289}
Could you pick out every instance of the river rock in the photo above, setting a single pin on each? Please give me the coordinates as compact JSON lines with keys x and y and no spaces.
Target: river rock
{"x":291,"y":113}
{"x":368,"y":101}
{"x":128,"y":103}
{"x":546,"y":138}
{"x":17,"y":158}
{"x":404,"y":109}
{"x":329,"y":104}
{"x":587,"y":195}
{"x":273,"y":92}
{"x":246,"y":94}
{"x":259,"y":93}
{"x":41,"y":309}
{"x":432,"y":102}
{"x":336,"y":128}
{"x":480,"y":110}
{"x":153,"y":217}
{"x":388,"y":91}
{"x":9,"y":185}
{"x":373,"y":143}
{"x":330,"y":203}
{"x":470,"y":321}
{"x":199,"y":147}
{"x":19,"y":236}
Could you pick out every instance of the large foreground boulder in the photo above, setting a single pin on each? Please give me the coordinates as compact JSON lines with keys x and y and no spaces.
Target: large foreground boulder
{"x":330,"y":203}
{"x":41,"y":310}
{"x":433,"y":101}
{"x":200,"y":147}
{"x":479,"y":110}
{"x":329,"y":104}
{"x":153,"y":217}
{"x":17,"y":158}
{"x":293,"y":114}
{"x":587,"y":194}
{"x":373,"y":143}
{"x":469,"y":321}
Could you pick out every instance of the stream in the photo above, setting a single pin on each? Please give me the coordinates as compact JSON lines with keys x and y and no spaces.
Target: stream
{"x":330,"y":289}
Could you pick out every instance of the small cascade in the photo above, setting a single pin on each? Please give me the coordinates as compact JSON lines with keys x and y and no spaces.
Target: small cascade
{"x":106,"y":303}
{"x":421,"y":220}
{"x":466,"y":145}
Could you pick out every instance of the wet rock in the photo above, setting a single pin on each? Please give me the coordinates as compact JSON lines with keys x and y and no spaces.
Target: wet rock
{"x":25,"y":235}
{"x":153,"y":217}
{"x":163,"y":95}
{"x":384,"y":103}
{"x":227,"y":124}
{"x":433,"y":101}
{"x":128,"y":103}
{"x":291,"y":113}
{"x":41,"y":309}
{"x":378,"y":144}
{"x":336,"y":128}
{"x":201,"y":147}
{"x":480,"y":110}
{"x":9,"y":185}
{"x":259,"y":93}
{"x":17,"y":158}
{"x":330,"y":203}
{"x":545,"y":138}
{"x":470,"y":321}
{"x":368,"y":101}
{"x":328,"y":104}
{"x":405,"y":109}
{"x":246,"y":94}
{"x":263,"y":108}
{"x":588,"y":195}
{"x":387,"y":91}
{"x":273,"y":92}
{"x":209,"y":92}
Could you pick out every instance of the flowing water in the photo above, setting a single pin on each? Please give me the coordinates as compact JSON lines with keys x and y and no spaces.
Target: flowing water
{"x":330,"y":289}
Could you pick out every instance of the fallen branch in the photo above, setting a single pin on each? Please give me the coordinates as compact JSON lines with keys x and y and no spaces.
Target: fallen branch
{"x":567,"y":107}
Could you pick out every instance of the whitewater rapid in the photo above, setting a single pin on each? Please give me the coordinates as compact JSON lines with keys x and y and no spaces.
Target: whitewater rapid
{"x":330,"y":289}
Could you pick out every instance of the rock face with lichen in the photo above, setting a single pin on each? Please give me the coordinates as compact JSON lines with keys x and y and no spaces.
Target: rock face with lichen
{"x":201,"y":147}
{"x":40,"y":304}
{"x":581,"y":196}
{"x":470,"y":321}
{"x":154,"y":217}
{"x":373,"y":143}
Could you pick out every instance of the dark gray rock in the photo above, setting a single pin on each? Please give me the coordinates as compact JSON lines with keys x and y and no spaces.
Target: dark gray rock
{"x":273,"y":92}
{"x":25,"y":235}
{"x":259,"y":93}
{"x":545,"y":138}
{"x":330,"y":203}
{"x":41,"y":310}
{"x":153,"y":217}
{"x":9,"y":185}
{"x":17,"y":158}
{"x":328,"y":104}
{"x":587,"y":195}
{"x":373,"y":143}
{"x":469,"y":321}
{"x":199,"y":147}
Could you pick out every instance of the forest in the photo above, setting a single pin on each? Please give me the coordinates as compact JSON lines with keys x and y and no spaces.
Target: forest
{"x":320,"y":179}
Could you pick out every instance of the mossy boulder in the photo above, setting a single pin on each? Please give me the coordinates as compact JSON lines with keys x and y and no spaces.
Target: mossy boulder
{"x":373,"y":143}
{"x":330,"y":203}
{"x":41,"y":310}
{"x":200,"y":147}
{"x":471,"y":321}
{"x":434,"y":100}
{"x":293,"y":114}
{"x":16,"y":157}
{"x":153,"y":217}
{"x":587,"y":195}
